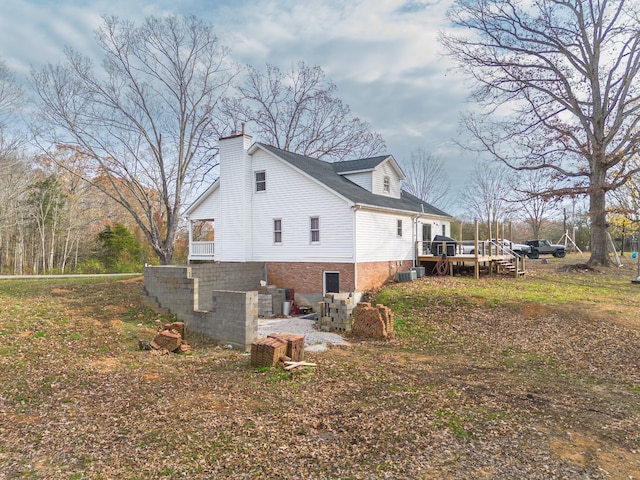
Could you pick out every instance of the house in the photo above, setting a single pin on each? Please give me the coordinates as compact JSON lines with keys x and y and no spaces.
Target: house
{"x":318,"y":227}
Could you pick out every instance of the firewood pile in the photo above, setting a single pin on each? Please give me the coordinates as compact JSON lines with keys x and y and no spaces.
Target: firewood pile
{"x":373,"y":322}
{"x":170,"y":339}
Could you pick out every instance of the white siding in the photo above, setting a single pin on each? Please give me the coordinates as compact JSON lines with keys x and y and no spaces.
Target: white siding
{"x":363,"y":179}
{"x":386,"y":170}
{"x":209,"y":207}
{"x":233,"y":227}
{"x":294,"y":198}
{"x":377,"y":237}
{"x":436,"y":227}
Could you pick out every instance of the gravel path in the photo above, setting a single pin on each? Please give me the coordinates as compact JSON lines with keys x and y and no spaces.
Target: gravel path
{"x":314,"y":340}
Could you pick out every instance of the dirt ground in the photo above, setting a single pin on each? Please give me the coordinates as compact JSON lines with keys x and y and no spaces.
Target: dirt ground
{"x":535,"y":391}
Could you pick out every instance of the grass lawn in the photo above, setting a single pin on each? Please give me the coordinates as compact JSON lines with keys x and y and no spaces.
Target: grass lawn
{"x":500,"y":378}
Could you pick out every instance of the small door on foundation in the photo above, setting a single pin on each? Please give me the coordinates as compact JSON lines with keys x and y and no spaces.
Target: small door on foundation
{"x":331,"y":282}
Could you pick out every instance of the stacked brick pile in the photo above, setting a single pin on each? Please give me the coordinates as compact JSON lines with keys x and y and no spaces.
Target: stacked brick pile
{"x":266,"y":352}
{"x":335,"y":312}
{"x":171,"y":339}
{"x":373,"y":322}
{"x":295,"y":345}
{"x":277,"y":347}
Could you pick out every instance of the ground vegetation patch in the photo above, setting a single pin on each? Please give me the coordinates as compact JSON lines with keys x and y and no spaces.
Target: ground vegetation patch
{"x":501,"y":378}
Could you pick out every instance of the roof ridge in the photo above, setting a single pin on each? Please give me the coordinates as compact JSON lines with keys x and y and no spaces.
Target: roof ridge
{"x":327,"y":174}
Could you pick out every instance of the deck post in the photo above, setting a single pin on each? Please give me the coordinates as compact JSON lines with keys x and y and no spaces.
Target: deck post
{"x":476,"y":263}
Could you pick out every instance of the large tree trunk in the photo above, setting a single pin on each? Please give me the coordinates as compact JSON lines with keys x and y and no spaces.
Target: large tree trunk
{"x":598,"y":215}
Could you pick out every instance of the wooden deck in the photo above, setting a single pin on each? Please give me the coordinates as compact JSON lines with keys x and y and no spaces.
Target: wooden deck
{"x":443,"y":265}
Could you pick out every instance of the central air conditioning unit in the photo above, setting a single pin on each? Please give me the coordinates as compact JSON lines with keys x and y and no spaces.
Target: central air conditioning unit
{"x":406,"y":276}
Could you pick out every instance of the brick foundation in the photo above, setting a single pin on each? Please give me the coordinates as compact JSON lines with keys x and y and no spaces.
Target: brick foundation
{"x":308,"y":277}
{"x":375,"y":274}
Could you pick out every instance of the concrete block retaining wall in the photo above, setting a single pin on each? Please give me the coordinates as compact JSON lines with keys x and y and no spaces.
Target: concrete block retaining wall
{"x":219,"y":301}
{"x":232,"y":276}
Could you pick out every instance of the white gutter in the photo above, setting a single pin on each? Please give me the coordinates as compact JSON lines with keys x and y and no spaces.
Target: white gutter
{"x":403,"y":212}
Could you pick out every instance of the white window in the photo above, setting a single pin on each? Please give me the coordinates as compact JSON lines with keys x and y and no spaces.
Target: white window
{"x":315,"y":229}
{"x":399,"y":228}
{"x":261,"y":181}
{"x":386,"y":186}
{"x":277,"y":230}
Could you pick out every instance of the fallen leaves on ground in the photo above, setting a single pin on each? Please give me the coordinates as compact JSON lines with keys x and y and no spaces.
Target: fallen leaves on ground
{"x":466,"y":391}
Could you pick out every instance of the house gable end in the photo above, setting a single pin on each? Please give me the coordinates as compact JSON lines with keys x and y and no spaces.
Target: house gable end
{"x":306,"y":172}
{"x":200,"y":203}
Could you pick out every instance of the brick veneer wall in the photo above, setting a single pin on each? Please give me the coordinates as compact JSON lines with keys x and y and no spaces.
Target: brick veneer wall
{"x":374,"y":274}
{"x":307,"y":277}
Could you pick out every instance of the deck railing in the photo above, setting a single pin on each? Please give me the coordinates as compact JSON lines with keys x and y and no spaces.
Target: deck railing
{"x":484,"y":248}
{"x":201,"y":250}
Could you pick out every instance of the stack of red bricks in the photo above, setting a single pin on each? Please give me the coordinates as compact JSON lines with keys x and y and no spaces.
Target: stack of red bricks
{"x":171,"y":339}
{"x":278,"y":347}
{"x":295,"y":345}
{"x":373,"y":322}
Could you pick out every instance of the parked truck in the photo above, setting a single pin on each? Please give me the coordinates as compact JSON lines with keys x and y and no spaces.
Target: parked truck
{"x":545,"y":247}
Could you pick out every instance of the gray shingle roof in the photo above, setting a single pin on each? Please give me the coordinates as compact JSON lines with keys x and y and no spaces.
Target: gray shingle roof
{"x":325,"y":173}
{"x":361,"y":164}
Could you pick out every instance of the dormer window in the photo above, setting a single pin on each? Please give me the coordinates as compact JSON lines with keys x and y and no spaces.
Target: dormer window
{"x":261,"y":181}
{"x":386,"y":186}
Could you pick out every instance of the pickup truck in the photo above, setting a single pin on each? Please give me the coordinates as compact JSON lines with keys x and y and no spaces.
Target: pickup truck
{"x":545,"y":247}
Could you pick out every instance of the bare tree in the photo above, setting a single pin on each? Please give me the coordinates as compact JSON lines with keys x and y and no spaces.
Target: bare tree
{"x":427,"y":178}
{"x":10,"y":94}
{"x":11,"y":101}
{"x":14,"y":181}
{"x":626,"y":210}
{"x":13,"y":175}
{"x":532,"y":195}
{"x":145,"y":120}
{"x":558,"y":90}
{"x":298,"y":111}
{"x":486,"y":195}
{"x":46,"y":202}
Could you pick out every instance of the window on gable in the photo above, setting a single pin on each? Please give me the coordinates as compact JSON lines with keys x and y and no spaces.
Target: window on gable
{"x":444,"y":230}
{"x":399,"y":228}
{"x":261,"y":181}
{"x":277,"y":230}
{"x":386,"y":185}
{"x":315,"y":229}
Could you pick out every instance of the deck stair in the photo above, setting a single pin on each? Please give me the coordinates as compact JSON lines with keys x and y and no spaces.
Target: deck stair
{"x":506,"y":267}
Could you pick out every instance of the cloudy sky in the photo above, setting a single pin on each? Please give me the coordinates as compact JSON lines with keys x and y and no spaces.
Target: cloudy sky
{"x":383,"y":55}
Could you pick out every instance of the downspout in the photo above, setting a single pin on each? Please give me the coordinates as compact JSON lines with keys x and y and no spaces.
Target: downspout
{"x":190,"y":239}
{"x":353,"y":248}
{"x":415,"y":239}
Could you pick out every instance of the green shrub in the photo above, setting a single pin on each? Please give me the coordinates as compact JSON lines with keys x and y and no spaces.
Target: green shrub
{"x":91,"y":266}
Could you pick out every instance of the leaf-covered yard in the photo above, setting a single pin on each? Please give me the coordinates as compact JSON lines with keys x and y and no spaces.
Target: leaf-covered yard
{"x":501,"y":378}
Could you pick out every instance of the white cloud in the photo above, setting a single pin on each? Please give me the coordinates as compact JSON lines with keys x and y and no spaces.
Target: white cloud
{"x":382,"y":54}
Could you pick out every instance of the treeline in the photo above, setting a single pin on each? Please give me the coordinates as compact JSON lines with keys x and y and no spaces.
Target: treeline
{"x":52,"y":221}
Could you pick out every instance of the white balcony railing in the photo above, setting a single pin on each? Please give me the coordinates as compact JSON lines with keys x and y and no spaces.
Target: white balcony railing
{"x":202,"y":250}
